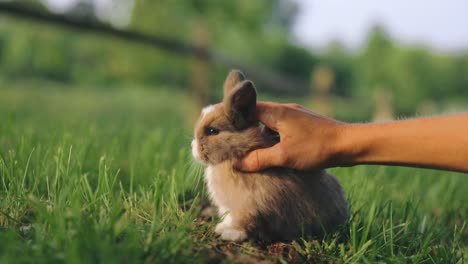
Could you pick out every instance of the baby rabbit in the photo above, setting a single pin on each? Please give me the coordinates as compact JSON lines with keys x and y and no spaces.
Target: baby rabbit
{"x":274,"y":204}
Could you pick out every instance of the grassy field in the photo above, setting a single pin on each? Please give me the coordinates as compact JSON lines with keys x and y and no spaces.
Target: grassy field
{"x":106,"y":176}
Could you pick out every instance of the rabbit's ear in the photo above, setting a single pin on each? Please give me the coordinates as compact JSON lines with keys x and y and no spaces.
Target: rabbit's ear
{"x":240,"y":105}
{"x":234,"y":77}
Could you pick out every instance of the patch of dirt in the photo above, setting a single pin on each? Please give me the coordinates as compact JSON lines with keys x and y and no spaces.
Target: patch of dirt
{"x":246,"y":252}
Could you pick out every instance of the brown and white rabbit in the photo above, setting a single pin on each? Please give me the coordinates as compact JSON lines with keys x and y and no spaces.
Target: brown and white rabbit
{"x":274,"y":204}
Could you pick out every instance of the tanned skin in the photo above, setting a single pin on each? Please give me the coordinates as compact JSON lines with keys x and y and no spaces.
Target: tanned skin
{"x":309,"y":141}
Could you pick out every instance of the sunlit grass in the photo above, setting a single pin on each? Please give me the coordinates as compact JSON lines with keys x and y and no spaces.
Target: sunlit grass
{"x":106,"y":176}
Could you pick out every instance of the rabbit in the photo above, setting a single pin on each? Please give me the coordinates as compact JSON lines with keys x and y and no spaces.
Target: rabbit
{"x":277,"y":204}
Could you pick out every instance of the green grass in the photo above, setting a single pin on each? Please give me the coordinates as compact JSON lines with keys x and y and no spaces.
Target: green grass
{"x":106,"y":176}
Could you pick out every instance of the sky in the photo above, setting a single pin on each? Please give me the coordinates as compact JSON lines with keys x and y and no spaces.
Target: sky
{"x":114,"y":11}
{"x":441,"y":25}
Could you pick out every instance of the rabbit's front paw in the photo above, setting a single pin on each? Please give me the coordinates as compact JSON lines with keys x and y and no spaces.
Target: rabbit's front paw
{"x":220,"y":228}
{"x":232,"y":234}
{"x":226,"y":223}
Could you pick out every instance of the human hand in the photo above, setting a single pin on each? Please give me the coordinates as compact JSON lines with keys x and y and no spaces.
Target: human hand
{"x":307,"y":140}
{"x":310,"y":141}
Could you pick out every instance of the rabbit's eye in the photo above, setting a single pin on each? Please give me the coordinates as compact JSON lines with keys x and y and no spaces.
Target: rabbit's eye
{"x":211,"y":131}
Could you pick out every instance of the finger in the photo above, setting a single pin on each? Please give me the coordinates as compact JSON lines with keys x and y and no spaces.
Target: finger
{"x":260,"y":159}
{"x":267,"y":113}
{"x":296,"y":106}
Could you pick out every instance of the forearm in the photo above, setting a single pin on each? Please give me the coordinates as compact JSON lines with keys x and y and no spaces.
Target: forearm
{"x":437,"y":142}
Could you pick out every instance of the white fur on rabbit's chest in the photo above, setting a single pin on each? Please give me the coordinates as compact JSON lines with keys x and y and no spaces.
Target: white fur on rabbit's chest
{"x":227,"y":191}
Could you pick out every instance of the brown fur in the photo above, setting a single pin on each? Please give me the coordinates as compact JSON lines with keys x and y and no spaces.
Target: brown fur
{"x":275,"y":204}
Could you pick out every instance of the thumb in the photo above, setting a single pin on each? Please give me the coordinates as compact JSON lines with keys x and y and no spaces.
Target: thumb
{"x":260,"y":159}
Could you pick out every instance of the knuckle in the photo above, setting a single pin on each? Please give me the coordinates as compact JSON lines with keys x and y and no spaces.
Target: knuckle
{"x":281,"y":111}
{"x":294,"y":105}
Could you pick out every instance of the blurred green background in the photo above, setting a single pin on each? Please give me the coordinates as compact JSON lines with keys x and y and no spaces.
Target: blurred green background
{"x":382,"y":79}
{"x":95,"y":130}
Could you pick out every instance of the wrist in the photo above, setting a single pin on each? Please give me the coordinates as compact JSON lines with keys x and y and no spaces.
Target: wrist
{"x":352,"y":144}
